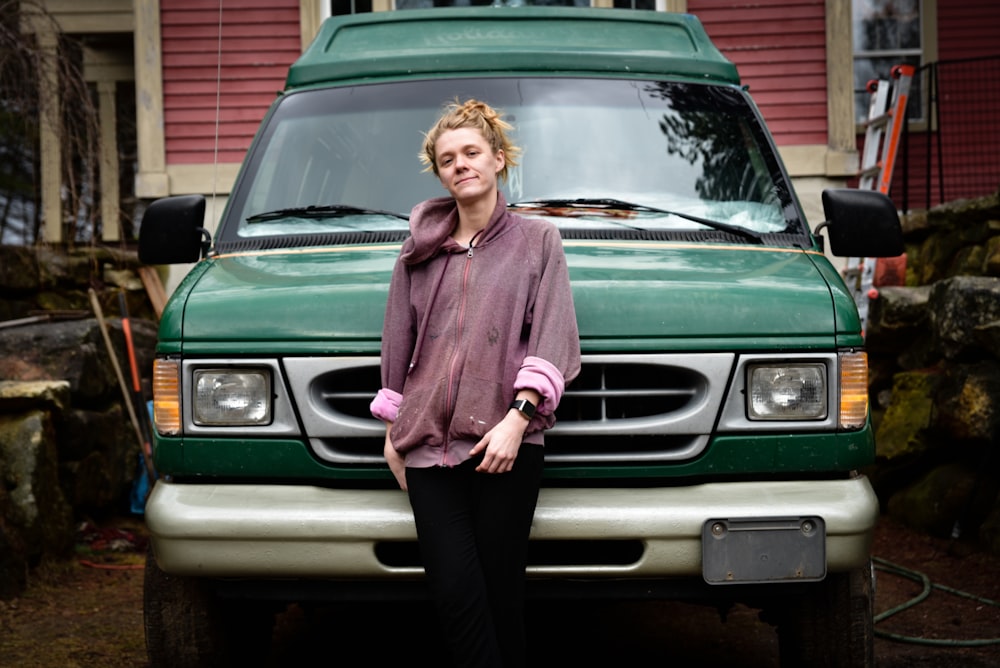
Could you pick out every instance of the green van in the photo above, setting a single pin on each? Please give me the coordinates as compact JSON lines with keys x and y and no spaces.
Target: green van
{"x":712,"y":445}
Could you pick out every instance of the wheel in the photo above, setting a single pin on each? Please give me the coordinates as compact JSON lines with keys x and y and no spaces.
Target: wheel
{"x":187,"y":625}
{"x":833,"y":626}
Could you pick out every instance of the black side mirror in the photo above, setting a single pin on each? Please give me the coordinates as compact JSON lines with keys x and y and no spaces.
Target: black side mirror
{"x":173,"y":232}
{"x":861,"y":223}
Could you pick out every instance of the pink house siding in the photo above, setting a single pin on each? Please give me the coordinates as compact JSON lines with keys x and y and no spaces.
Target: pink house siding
{"x":779,"y":47}
{"x":260,"y":39}
{"x":968,"y":29}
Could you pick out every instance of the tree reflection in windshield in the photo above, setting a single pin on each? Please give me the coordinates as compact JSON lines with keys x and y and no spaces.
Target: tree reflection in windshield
{"x":702,"y":128}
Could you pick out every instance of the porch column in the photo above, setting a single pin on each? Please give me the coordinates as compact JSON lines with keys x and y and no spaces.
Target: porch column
{"x":50,"y":131}
{"x":151,"y":180}
{"x":110,"y":212}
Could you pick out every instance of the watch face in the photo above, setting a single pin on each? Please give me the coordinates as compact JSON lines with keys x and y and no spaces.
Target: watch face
{"x":524,"y":406}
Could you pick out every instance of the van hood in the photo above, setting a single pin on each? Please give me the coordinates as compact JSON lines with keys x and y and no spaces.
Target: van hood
{"x":628,"y":295}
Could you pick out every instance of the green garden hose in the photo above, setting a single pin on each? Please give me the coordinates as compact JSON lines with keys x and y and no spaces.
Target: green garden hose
{"x":888,"y":567}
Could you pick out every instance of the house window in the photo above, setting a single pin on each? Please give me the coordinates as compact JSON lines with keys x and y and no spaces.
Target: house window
{"x":636,"y":4}
{"x":886,"y":33}
{"x":342,"y":7}
{"x":426,"y":4}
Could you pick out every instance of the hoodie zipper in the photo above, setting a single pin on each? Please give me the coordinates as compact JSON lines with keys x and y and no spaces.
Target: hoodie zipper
{"x":459,"y":332}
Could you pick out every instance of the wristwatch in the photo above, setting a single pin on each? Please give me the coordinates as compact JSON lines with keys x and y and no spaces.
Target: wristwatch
{"x":524,"y":407}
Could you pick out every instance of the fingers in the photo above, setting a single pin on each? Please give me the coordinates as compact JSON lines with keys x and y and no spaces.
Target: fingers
{"x":500,"y":445}
{"x":396,"y":462}
{"x":500,"y":456}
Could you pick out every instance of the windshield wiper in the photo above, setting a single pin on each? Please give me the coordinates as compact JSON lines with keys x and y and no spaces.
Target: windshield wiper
{"x":326,"y":211}
{"x":622,"y":205}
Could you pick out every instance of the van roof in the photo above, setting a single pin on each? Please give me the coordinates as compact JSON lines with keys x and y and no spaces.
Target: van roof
{"x":501,"y":40}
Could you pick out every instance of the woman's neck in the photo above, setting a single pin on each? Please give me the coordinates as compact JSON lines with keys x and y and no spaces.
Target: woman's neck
{"x":473,"y":217}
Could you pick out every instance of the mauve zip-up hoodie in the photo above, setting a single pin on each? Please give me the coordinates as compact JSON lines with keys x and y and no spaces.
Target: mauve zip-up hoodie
{"x":466,"y":328}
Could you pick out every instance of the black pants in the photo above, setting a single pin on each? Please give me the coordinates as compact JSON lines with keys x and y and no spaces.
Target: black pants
{"x":473,"y":532}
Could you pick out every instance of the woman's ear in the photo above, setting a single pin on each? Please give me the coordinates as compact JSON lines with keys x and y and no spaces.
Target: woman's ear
{"x":501,"y":160}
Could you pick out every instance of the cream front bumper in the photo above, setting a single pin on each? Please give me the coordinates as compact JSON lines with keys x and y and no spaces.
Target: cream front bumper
{"x":300,"y":531}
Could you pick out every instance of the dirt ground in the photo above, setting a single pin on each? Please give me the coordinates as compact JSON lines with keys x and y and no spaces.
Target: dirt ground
{"x":88,"y":612}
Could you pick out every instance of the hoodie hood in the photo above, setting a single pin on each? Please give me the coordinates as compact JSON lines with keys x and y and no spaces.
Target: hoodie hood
{"x":433,"y":221}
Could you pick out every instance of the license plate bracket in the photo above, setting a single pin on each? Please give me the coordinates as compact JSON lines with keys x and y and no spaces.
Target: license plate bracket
{"x":763,"y":549}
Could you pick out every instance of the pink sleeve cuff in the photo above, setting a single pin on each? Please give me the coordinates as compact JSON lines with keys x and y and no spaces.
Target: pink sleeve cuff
{"x":543,"y":377}
{"x":385,"y":405}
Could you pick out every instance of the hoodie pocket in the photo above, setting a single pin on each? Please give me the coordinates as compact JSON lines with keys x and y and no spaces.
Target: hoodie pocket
{"x":481,"y":404}
{"x":421,"y":418}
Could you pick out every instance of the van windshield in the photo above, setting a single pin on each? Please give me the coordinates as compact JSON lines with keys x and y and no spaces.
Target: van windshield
{"x":596,"y":153}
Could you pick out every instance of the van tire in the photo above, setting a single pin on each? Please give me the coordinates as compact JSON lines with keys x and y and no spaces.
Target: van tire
{"x":833,"y":625}
{"x":187,"y":625}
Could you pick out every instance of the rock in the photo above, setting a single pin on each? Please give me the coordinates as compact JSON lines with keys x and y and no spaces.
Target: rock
{"x":965,"y":213}
{"x":71,"y":270}
{"x":13,"y":560}
{"x":987,"y":336}
{"x":900,"y":314}
{"x":991,"y":260}
{"x":958,"y":308}
{"x":75,"y":351}
{"x":124,"y":278}
{"x":99,"y":484}
{"x":903,"y":429}
{"x":968,"y":402}
{"x":946,"y":499}
{"x":64,"y":300}
{"x":16,"y":396}
{"x":914,"y":222}
{"x":936,"y":253}
{"x":19,"y":270}
{"x":36,"y":506}
{"x":968,"y":261}
{"x":98,"y":451}
{"x":70,"y":350}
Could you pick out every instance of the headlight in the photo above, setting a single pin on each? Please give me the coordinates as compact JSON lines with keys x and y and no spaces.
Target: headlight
{"x":787,"y":392}
{"x":232,"y":397}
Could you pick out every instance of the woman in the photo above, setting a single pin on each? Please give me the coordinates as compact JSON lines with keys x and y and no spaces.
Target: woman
{"x":480,"y":339}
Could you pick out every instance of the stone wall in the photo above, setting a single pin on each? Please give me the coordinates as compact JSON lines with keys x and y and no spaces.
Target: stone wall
{"x":934,"y":353}
{"x":68,"y":449}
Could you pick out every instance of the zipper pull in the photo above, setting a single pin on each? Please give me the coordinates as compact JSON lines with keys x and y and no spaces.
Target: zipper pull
{"x":470,"y":250}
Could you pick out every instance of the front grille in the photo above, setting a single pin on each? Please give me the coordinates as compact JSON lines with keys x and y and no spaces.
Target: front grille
{"x":621,"y":408}
{"x":622,"y":391}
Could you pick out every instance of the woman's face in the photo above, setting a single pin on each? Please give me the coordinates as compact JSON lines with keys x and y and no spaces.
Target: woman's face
{"x":466,"y":165}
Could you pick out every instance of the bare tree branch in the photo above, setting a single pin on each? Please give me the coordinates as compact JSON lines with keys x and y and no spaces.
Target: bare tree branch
{"x":24,"y":64}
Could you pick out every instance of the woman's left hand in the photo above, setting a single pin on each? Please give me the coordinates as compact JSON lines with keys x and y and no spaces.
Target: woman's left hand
{"x":501,"y":444}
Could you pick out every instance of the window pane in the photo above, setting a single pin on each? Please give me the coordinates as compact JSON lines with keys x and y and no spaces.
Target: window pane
{"x":886,"y":25}
{"x":343,"y":7}
{"x":886,"y":33}
{"x":427,"y":4}
{"x":635,"y":4}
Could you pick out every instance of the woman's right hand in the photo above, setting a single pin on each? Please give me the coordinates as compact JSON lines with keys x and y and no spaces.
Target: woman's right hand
{"x":396,"y":461}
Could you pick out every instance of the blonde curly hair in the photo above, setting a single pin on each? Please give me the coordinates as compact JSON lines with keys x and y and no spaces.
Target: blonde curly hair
{"x":471,"y":114}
